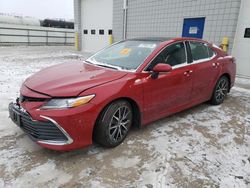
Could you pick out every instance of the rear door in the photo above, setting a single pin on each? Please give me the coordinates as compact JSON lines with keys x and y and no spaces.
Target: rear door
{"x":206,"y":70}
{"x":167,"y":93}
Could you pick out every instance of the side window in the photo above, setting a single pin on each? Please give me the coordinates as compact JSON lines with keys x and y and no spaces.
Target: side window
{"x":211,"y":53}
{"x":173,"y":55}
{"x":199,"y":51}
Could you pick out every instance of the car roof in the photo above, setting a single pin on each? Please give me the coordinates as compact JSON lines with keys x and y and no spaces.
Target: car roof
{"x":159,"y":39}
{"x":165,"y":39}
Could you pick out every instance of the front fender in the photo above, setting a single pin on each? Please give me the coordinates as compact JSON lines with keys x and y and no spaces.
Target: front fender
{"x":127,"y":87}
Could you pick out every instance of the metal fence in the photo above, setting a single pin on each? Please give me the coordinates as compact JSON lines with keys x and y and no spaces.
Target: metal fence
{"x":35,"y":36}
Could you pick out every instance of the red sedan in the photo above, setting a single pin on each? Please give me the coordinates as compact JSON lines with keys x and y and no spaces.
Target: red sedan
{"x":130,"y":83}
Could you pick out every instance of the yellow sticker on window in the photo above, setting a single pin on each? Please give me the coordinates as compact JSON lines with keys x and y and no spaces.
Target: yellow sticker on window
{"x":125,"y":51}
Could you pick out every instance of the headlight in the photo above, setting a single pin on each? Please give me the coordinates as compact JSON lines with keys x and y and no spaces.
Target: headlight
{"x":67,"y":102}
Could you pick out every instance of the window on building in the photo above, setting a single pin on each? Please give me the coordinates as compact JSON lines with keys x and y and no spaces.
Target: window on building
{"x":101,"y":32}
{"x":247,"y":33}
{"x":199,"y":50}
{"x":85,"y":31}
{"x":110,"y":31}
{"x":92,"y":32}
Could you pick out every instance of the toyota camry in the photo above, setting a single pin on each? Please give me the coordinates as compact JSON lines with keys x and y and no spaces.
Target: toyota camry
{"x":130,"y":83}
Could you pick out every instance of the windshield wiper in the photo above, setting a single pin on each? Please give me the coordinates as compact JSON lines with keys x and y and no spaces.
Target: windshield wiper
{"x":107,"y":66}
{"x":88,"y":62}
{"x":104,"y":65}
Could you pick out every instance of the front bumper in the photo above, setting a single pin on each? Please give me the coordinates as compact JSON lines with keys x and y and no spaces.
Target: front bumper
{"x":47,"y":132}
{"x":71,"y":128}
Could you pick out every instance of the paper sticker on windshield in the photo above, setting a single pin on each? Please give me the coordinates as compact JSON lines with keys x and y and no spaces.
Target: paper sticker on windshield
{"x":125,"y":51}
{"x":147,"y":46}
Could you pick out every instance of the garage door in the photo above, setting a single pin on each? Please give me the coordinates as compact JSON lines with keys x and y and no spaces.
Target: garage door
{"x":96,"y":16}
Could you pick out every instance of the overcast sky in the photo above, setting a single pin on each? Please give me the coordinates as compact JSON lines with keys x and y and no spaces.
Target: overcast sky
{"x":39,"y":8}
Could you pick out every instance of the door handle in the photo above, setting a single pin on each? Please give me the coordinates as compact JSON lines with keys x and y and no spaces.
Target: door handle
{"x":216,"y":64}
{"x":187,"y":73}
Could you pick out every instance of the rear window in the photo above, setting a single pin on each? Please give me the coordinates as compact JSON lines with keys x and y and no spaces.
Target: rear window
{"x":211,"y":53}
{"x":200,"y":51}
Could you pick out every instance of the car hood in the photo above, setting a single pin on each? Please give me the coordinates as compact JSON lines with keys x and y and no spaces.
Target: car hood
{"x":70,"y":79}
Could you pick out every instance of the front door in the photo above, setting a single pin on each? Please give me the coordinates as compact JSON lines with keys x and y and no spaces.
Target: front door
{"x":165,"y":94}
{"x":193,"y":27}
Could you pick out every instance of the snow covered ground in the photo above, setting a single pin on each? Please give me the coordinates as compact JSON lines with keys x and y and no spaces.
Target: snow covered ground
{"x":206,"y":146}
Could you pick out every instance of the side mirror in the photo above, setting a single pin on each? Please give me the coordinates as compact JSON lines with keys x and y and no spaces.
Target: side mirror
{"x":160,"y":67}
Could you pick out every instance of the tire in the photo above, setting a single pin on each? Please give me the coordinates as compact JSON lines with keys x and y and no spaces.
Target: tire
{"x":220,"y":91}
{"x":113,"y":124}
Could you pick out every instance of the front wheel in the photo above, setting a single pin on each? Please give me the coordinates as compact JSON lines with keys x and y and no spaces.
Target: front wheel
{"x":114,"y":123}
{"x":220,"y":91}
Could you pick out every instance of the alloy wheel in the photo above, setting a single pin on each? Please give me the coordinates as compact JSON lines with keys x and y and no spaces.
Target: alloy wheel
{"x":221,"y":90}
{"x":120,"y":123}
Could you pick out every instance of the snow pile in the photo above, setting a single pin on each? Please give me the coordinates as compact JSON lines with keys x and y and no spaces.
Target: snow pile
{"x":203,"y":148}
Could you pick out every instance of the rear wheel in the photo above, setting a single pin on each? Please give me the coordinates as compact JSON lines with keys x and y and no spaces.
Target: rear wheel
{"x":220,"y":91}
{"x":114,"y":124}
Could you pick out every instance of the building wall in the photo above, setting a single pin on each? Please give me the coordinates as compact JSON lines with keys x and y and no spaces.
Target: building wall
{"x":78,"y":28}
{"x":117,"y":20}
{"x":241,"y":47}
{"x":165,"y":18}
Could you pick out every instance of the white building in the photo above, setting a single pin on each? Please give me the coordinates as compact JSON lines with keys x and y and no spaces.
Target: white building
{"x":210,"y":20}
{"x":241,"y":48}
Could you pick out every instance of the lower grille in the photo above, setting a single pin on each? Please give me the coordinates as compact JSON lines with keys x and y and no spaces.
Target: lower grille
{"x":37,"y":130}
{"x":42,"y":130}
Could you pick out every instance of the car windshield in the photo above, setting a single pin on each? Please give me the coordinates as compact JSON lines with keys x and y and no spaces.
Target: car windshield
{"x":126,"y":55}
